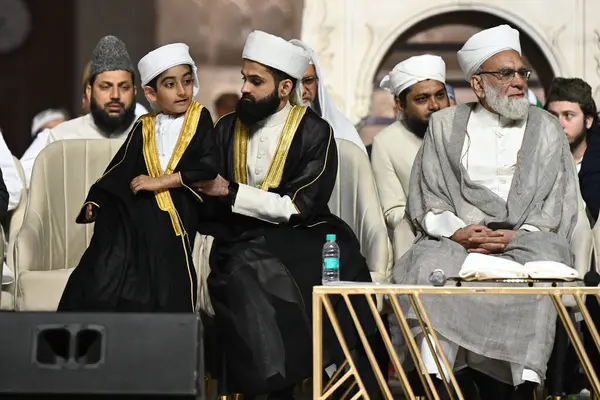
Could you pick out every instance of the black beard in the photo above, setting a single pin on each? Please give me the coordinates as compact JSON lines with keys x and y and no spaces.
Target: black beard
{"x":416,"y":126}
{"x":250,"y":111}
{"x":112,"y":125}
{"x":578,"y":140}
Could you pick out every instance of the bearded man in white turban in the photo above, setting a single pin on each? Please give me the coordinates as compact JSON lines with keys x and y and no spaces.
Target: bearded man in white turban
{"x":493,"y":178}
{"x":418,"y":88}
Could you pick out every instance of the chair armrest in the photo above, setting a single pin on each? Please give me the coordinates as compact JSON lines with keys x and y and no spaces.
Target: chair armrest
{"x":403,"y":238}
{"x":29,"y":245}
{"x":582,"y":245}
{"x":201,"y":256}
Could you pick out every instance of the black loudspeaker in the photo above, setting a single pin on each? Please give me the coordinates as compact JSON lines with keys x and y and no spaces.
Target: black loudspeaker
{"x":112,"y":355}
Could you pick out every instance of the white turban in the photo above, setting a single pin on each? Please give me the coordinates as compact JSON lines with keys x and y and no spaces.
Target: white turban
{"x":42,"y":118}
{"x":413,"y":70}
{"x":277,"y":53}
{"x":342,"y":127}
{"x":485,"y":44}
{"x":158,"y":61}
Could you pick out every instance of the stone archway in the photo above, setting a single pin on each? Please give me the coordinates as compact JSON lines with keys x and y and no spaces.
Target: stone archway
{"x":445,"y":34}
{"x":353,"y":37}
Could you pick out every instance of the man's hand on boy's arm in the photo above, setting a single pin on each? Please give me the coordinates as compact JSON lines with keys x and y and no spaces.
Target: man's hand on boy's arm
{"x":147,"y":183}
{"x":89,"y":211}
{"x":218,"y":187}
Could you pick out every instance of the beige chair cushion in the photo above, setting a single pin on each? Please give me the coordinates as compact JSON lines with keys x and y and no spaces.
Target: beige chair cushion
{"x":50,"y":240}
{"x":41,"y":290}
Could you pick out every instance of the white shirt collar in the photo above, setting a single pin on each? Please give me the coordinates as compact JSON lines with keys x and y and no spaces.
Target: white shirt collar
{"x":486,"y":117}
{"x":276,"y":119}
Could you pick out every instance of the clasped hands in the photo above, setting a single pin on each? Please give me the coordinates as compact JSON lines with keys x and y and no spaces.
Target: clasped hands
{"x":483,"y":240}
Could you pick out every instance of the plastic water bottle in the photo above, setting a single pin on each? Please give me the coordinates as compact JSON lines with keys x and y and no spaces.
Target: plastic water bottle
{"x":331,"y":260}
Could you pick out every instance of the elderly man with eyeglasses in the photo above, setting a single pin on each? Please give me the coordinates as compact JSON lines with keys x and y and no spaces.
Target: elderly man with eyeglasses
{"x":314,"y":94}
{"x":492,"y":187}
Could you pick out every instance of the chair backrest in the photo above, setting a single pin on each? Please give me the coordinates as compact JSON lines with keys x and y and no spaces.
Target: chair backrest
{"x":355,"y":200}
{"x":15,"y":217}
{"x":582,"y":239}
{"x":62,"y":176}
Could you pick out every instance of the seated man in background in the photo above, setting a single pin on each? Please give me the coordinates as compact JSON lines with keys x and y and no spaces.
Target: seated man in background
{"x":571,"y":101}
{"x":111,"y":91}
{"x":315,"y":95}
{"x":492,"y":178}
{"x":225,"y":104}
{"x":40,"y":130}
{"x":418,"y":88}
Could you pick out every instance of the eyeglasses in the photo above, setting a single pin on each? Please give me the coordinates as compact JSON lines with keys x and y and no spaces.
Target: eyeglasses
{"x":507,"y":75}
{"x":309,"y":80}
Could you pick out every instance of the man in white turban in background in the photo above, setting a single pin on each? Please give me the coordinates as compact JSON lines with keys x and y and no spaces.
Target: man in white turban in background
{"x":279,"y":166}
{"x":493,"y":178}
{"x":419,"y":91}
{"x":42,"y":123}
{"x":315,"y":95}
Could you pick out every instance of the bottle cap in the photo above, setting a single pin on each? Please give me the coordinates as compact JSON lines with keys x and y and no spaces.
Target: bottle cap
{"x":330,"y":236}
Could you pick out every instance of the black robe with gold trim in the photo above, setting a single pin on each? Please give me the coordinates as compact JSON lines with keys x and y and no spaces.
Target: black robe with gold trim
{"x":139,"y":258}
{"x":262,"y":274}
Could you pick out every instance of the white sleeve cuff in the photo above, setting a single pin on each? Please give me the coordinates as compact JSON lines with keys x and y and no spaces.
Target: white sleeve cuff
{"x":442,"y":225}
{"x":529,"y":228}
{"x":266,"y":206}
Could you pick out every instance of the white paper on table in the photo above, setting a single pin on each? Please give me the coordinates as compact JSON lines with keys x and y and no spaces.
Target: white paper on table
{"x":482,"y":266}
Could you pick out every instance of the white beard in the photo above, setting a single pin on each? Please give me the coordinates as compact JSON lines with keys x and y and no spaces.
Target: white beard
{"x":515,"y":109}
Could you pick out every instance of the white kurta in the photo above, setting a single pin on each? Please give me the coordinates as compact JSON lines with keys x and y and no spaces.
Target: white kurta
{"x":78,"y":128}
{"x":251,"y":200}
{"x":392,"y":158}
{"x":167,"y":133}
{"x":490,"y":157}
{"x":578,"y":164}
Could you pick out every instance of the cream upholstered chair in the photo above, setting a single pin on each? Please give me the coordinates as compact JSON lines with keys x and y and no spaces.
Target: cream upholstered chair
{"x":12,"y":225}
{"x":582,"y":245}
{"x":50,"y":243}
{"x":582,"y":240}
{"x":354,"y":199}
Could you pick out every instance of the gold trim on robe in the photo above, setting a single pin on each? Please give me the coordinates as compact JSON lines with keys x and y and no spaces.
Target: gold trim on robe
{"x":188,"y":130}
{"x":240,"y":150}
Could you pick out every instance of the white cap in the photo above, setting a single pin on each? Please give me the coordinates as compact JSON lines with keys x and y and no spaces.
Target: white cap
{"x":413,"y":70}
{"x":158,"y":61}
{"x":277,"y":53}
{"x":483,"y":45}
{"x":42,"y":118}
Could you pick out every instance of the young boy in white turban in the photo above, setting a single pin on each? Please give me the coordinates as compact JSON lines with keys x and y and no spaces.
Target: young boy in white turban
{"x":139,"y":259}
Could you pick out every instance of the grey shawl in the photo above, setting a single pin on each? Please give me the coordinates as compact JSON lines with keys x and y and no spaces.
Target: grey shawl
{"x":515,"y":329}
